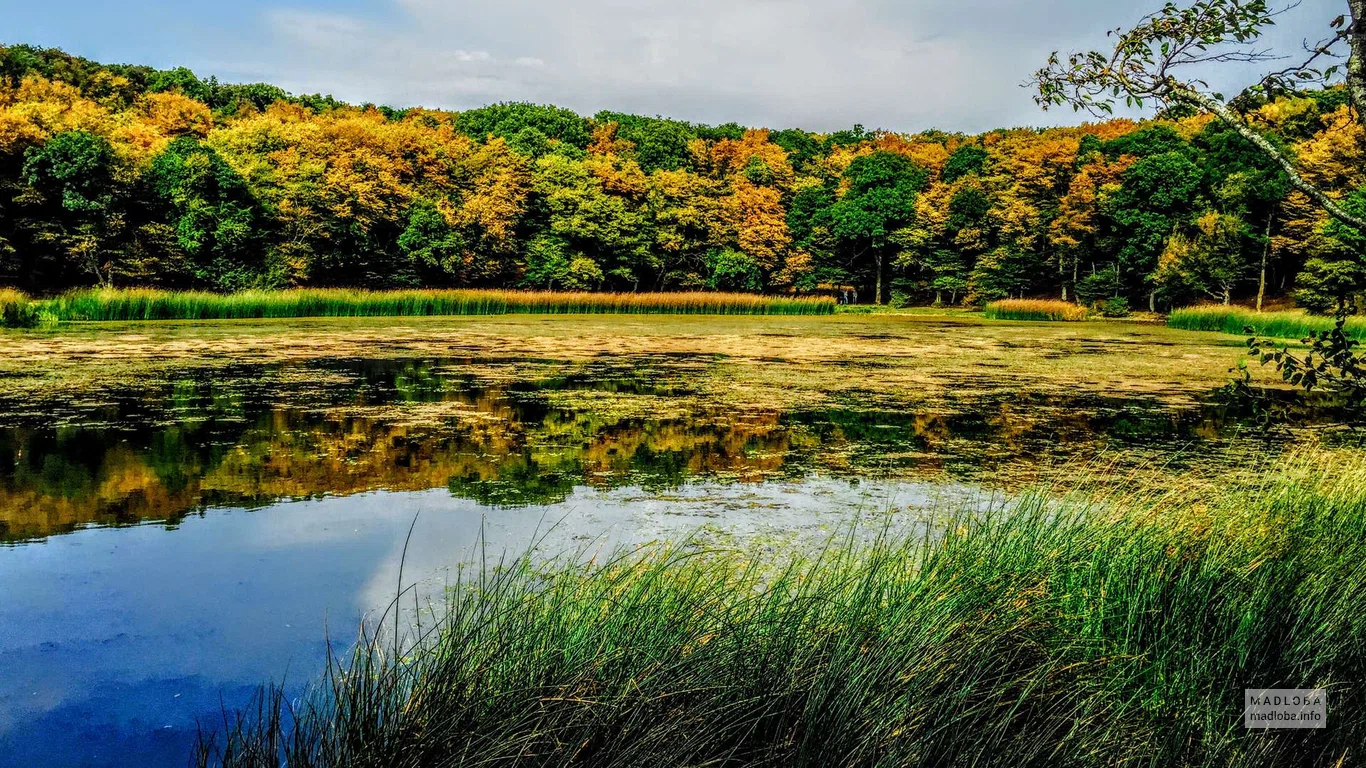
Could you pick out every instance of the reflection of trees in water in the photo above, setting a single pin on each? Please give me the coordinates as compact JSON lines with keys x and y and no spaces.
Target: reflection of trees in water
{"x":194,"y":443}
{"x":1003,"y":434}
{"x":652,"y":454}
{"x":485,"y":443}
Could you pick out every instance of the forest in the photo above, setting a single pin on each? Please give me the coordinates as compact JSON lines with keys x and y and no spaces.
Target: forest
{"x":123,"y":176}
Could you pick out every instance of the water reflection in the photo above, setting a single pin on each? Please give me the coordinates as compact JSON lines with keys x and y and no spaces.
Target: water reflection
{"x":249,"y":436}
{"x":115,"y":643}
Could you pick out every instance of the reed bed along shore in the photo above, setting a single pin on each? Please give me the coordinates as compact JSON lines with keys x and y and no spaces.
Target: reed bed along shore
{"x":1279,"y":325}
{"x":1034,"y":309}
{"x":146,"y":304}
{"x":15,"y":309}
{"x":1043,"y":633}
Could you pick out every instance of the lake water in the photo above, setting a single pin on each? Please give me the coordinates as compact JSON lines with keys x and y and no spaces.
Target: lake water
{"x":170,"y":539}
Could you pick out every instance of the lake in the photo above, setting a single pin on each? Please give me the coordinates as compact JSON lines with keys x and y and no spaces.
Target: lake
{"x":190,"y":510}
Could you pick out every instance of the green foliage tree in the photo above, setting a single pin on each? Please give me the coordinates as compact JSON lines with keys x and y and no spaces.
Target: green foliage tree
{"x":733,"y":270}
{"x":334,"y":194}
{"x":77,"y":197}
{"x":659,"y":143}
{"x":966,"y":160}
{"x":1100,"y":284}
{"x":880,"y":200}
{"x":1157,"y":193}
{"x":802,"y":148}
{"x":1147,"y":63}
{"x":1002,"y":273}
{"x":551,"y":264}
{"x":432,"y":245}
{"x":1149,"y":59}
{"x":1207,"y":258}
{"x":612,"y":230}
{"x":507,"y":120}
{"x":950,"y":271}
{"x":1146,"y":142}
{"x":1248,"y":185}
{"x":217,"y":221}
{"x":183,"y":81}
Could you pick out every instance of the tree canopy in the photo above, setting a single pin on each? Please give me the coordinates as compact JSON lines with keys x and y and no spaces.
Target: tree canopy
{"x":128,"y":175}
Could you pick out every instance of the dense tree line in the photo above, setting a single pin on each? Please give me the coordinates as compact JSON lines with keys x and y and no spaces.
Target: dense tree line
{"x":125,"y":175}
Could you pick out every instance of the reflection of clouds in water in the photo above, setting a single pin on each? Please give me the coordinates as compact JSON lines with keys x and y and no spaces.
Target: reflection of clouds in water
{"x":124,"y":631}
{"x":448,"y":531}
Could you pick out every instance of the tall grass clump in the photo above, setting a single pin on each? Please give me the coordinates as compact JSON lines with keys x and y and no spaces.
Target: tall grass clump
{"x":146,"y":304}
{"x":1073,"y":633}
{"x":1034,"y":309}
{"x":16,"y":309}
{"x":1278,"y":325}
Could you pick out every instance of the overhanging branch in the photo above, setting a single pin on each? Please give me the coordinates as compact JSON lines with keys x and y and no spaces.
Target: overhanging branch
{"x":1195,"y":98}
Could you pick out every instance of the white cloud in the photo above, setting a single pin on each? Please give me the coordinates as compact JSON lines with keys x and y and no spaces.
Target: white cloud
{"x":902,"y":65}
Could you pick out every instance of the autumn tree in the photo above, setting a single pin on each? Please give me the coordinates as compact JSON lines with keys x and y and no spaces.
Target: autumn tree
{"x":689,"y":223}
{"x":181,"y":181}
{"x":1027,"y":175}
{"x":1082,"y":220}
{"x":1206,"y":257}
{"x":950,"y":233}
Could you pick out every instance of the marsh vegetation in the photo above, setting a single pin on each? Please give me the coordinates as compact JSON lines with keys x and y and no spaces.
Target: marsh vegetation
{"x":1118,"y":631}
{"x":1034,"y":309}
{"x":18,"y":310}
{"x":1280,"y":325}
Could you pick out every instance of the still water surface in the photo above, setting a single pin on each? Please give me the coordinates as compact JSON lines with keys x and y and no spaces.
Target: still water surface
{"x":167,"y":545}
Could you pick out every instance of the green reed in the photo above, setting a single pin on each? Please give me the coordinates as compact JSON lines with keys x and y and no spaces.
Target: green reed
{"x":1279,"y":325}
{"x":145,"y":304}
{"x":1041,"y":633}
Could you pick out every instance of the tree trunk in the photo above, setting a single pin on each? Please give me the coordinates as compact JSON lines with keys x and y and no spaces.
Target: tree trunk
{"x":879,"y":279}
{"x":1228,"y":296}
{"x":1266,"y":256}
{"x":1356,"y":63}
{"x":1152,"y":301}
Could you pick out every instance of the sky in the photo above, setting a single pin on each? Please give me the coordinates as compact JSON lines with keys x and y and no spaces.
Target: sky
{"x":901,"y":65}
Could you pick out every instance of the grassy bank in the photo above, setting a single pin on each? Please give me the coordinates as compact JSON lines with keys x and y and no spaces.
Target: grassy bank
{"x":1034,"y":309}
{"x":1279,"y":325}
{"x":1072,"y":634}
{"x":142,"y":304}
